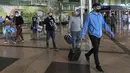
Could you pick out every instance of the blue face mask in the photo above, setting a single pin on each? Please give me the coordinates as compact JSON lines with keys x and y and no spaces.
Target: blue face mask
{"x":77,"y":13}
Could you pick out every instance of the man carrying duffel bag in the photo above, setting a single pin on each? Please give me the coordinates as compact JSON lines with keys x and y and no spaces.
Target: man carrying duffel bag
{"x":75,"y":29}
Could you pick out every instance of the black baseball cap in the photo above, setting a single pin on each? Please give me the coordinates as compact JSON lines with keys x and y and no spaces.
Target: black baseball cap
{"x":95,"y":4}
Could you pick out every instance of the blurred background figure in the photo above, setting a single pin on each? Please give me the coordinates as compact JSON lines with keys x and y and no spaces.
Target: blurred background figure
{"x":85,"y":15}
{"x":113,"y":23}
{"x":40,"y":28}
{"x":34,"y":23}
{"x":1,"y":23}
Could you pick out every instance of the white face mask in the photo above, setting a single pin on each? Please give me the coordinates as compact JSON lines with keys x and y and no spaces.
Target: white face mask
{"x":11,"y":17}
{"x":76,"y":13}
{"x":50,"y":14}
{"x":17,"y":15}
{"x":126,"y":13}
{"x":6,"y":19}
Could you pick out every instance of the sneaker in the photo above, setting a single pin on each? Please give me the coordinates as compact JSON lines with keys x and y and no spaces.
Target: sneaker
{"x":55,"y":49}
{"x":99,"y":68}
{"x":14,"y":42}
{"x":5,"y":42}
{"x":22,"y":41}
{"x":87,"y":57}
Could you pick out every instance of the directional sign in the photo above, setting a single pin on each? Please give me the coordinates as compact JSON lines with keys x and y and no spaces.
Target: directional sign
{"x":74,"y":0}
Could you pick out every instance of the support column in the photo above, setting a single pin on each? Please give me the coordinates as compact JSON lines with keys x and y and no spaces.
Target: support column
{"x":87,"y":4}
{"x":90,"y":5}
{"x":95,"y":1}
{"x":120,"y":24}
{"x":126,"y":1}
{"x":82,"y":4}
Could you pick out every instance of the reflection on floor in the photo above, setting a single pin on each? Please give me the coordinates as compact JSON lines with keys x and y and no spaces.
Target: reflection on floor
{"x":58,"y":67}
{"x":35,"y":58}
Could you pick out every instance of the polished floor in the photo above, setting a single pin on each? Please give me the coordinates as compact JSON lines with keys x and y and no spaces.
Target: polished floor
{"x":32,"y":57}
{"x":5,"y":62}
{"x":58,"y":67}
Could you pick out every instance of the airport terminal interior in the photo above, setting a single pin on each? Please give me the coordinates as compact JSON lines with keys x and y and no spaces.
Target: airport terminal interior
{"x":31,"y":55}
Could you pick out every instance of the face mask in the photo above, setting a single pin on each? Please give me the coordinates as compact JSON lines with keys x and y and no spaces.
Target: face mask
{"x":50,"y":14}
{"x":34,"y":15}
{"x":126,"y":13}
{"x":6,"y":19}
{"x":17,"y":14}
{"x":98,"y":8}
{"x":11,"y":16}
{"x":76,"y":13}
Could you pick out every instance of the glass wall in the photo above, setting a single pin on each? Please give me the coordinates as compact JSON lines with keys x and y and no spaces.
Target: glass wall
{"x":23,"y":2}
{"x":114,"y":2}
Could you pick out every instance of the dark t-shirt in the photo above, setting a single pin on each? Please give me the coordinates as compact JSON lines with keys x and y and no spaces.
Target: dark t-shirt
{"x":113,"y":20}
{"x":50,"y":22}
{"x":18,"y":20}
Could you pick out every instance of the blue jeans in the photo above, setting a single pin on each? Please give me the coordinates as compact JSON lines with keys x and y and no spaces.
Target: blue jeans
{"x":8,"y":31}
{"x":52,"y":35}
{"x":7,"y":36}
{"x":76,"y":38}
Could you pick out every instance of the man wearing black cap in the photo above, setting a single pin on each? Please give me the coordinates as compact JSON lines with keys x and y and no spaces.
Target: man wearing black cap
{"x":94,"y":24}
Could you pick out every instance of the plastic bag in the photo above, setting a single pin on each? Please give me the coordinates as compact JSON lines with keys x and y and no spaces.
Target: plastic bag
{"x":4,"y":31}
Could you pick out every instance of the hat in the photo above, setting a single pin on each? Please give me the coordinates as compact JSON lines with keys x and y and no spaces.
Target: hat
{"x":95,"y":4}
{"x":77,"y":11}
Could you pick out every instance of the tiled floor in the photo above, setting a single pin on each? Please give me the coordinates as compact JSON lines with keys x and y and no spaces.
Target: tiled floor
{"x":115,"y":60}
{"x":35,"y":58}
{"x":5,"y":62}
{"x":58,"y":67}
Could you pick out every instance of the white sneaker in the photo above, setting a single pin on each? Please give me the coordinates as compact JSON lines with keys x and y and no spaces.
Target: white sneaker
{"x":22,"y":41}
{"x":56,"y":49}
{"x":5,"y":42}
{"x":14,"y":42}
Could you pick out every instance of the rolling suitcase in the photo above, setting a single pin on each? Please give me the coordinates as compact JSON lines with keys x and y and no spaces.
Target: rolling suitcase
{"x":74,"y":54}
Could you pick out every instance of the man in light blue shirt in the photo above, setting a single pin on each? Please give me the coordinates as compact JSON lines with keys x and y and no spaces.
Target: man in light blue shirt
{"x":94,"y":24}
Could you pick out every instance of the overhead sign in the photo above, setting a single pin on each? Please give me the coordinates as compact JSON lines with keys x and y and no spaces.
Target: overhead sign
{"x":69,"y":6}
{"x":105,"y":7}
{"x":74,"y":0}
